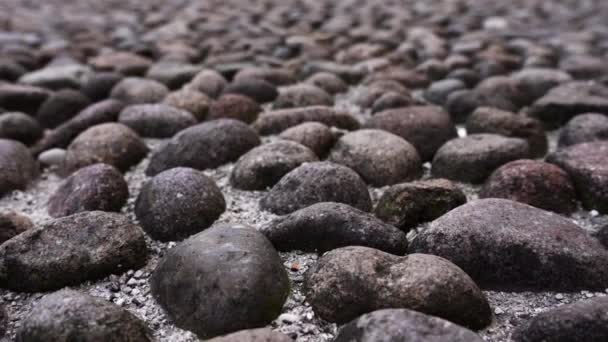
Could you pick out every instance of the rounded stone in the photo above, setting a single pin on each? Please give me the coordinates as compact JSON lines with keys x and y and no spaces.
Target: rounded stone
{"x":409,"y":204}
{"x":380,"y":157}
{"x":329,"y":82}
{"x":193,"y":101}
{"x":351,"y":281}
{"x":178,"y":203}
{"x":96,"y":187}
{"x":156,"y":120}
{"x":208,"y":82}
{"x":134,"y":90}
{"x":391,"y":100}
{"x":204,"y":146}
{"x":234,"y":106}
{"x":425,"y":127}
{"x":110,"y":143}
{"x":13,"y":224}
{"x":316,"y":182}
{"x":584,"y":128}
{"x":60,"y":107}
{"x":19,"y":126}
{"x":72,"y":315}
{"x":225,"y":279}
{"x":473,"y":158}
{"x":98,"y":86}
{"x":314,"y":135}
{"x":259,"y":90}
{"x":265,"y":165}
{"x":302,"y":95}
{"x":17,"y":166}
{"x":536,"y":183}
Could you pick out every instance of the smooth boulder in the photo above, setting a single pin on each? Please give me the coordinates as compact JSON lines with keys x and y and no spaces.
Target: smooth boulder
{"x":17,"y":166}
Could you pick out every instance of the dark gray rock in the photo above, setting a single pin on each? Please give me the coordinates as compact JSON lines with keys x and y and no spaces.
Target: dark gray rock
{"x":98,"y":113}
{"x":536,"y":183}
{"x":425,"y":127}
{"x":17,"y":166}
{"x":602,"y":235}
{"x":351,"y":281}
{"x":582,"y":321}
{"x":314,"y":135}
{"x":500,"y":92}
{"x":265,"y":165}
{"x":190,"y":100}
{"x":317,"y":182}
{"x":276,"y":76}
{"x":257,"y":89}
{"x":439,"y":91}
{"x":177,"y":203}
{"x":19,"y":126}
{"x":209,"y":82}
{"x":203,"y":146}
{"x":564,"y":102}
{"x":277,"y":121}
{"x":587,"y":165}
{"x":392,"y":325}
{"x":473,"y":158}
{"x":253,"y":335}
{"x":13,"y":224}
{"x":496,"y":121}
{"x":60,"y":107}
{"x":95,"y":187}
{"x":536,"y":82}
{"x":126,"y":63}
{"x":234,"y":106}
{"x":302,"y":95}
{"x":110,"y":143}
{"x":98,"y":86}
{"x":380,"y":157}
{"x":409,"y":204}
{"x":329,"y":82}
{"x":71,"y":315}
{"x":326,"y":226}
{"x":71,"y":250}
{"x":57,"y":76}
{"x":503,"y":244}
{"x":391,"y":100}
{"x":134,"y":90}
{"x":173,"y":75}
{"x":222,"y":280}
{"x":156,"y":120}
{"x":584,"y":128}
{"x":22,"y":98}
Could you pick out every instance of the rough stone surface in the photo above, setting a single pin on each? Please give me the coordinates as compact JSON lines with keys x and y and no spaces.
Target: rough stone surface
{"x":222,"y":280}
{"x":96,"y":187}
{"x":409,"y":204}
{"x":473,"y":158}
{"x":584,"y":128}
{"x":277,"y":121}
{"x":60,"y":107}
{"x":425,"y":127}
{"x":13,"y":224}
{"x":156,"y":120}
{"x":72,"y":315}
{"x":110,"y":143}
{"x":314,"y":135}
{"x":80,"y":247}
{"x":134,"y":90}
{"x":193,"y":101}
{"x":204,"y":146}
{"x":401,"y":324}
{"x":257,"y":89}
{"x":17,"y":167}
{"x":265,"y":165}
{"x":302,"y":95}
{"x":351,"y":281}
{"x":234,"y":106}
{"x":253,"y":335}
{"x":525,"y":247}
{"x":325,"y":226}
{"x":177,"y":203}
{"x":588,"y":167}
{"x":536,"y":183}
{"x":584,"y":321}
{"x":380,"y":157}
{"x":19,"y":126}
{"x":317,"y":182}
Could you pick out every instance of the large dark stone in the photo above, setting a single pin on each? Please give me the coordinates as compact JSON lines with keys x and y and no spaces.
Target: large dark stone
{"x":584,"y":128}
{"x":587,"y":165}
{"x":326,"y":226}
{"x":425,"y":127}
{"x":17,"y":166}
{"x":177,"y":203}
{"x":409,"y":204}
{"x":222,"y":280}
{"x":582,"y":321}
{"x":22,"y":98}
{"x":351,"y":281}
{"x":69,"y":315}
{"x":253,"y":335}
{"x":71,"y":250}
{"x":392,"y":325}
{"x":156,"y":120}
{"x":317,"y":182}
{"x":134,"y":90}
{"x":204,"y":146}
{"x":13,"y":224}
{"x":60,"y":107}
{"x":473,"y":158}
{"x":380,"y":157}
{"x":277,"y":121}
{"x":503,"y":244}
{"x":95,"y":187}
{"x":19,"y":126}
